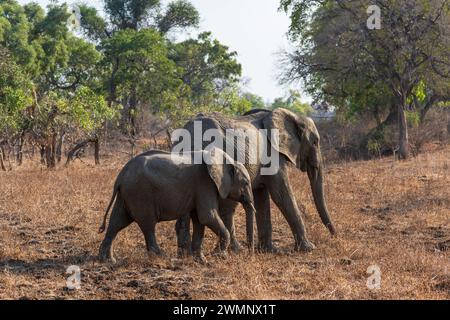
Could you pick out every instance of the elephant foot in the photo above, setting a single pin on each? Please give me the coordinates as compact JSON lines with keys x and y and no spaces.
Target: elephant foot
{"x":218,"y":252}
{"x":200,"y":258}
{"x":235,"y":246}
{"x":305,"y":246}
{"x":111,"y":260}
{"x":183,"y":253}
{"x":155,"y":252}
{"x":221,"y":254}
{"x":267,"y":249}
{"x":106,"y":257}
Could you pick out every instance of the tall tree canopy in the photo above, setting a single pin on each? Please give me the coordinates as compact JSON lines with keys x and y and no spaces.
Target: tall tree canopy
{"x":403,"y":66}
{"x":15,"y":94}
{"x":55,"y":82}
{"x":206,"y":65}
{"x":61,"y":72}
{"x":145,"y":69}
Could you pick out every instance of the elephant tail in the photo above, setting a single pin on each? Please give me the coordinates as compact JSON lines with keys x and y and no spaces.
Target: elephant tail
{"x":115,"y":192}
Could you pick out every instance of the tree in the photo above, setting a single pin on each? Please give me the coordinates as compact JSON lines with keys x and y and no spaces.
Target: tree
{"x":148,"y":71}
{"x":142,"y":71}
{"x":293,"y":102}
{"x":137,"y":14}
{"x":59,"y":67}
{"x":87,"y":112}
{"x":341,"y":58}
{"x":256,"y":102}
{"x":232,"y":101}
{"x":15,"y":96}
{"x":180,"y":14}
{"x":131,"y":37}
{"x":206,"y":66}
{"x":60,"y":84}
{"x":14,"y":35}
{"x":67,"y":66}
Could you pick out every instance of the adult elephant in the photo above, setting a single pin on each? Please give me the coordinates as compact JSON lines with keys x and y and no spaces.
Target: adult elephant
{"x":298,"y":144}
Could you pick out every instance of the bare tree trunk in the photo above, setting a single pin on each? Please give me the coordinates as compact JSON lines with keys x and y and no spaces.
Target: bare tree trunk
{"x":132,"y":113}
{"x":50,"y":152}
{"x":448,"y":128}
{"x":112,"y":83}
{"x":97,"y":151}
{"x":133,"y":146}
{"x":59,"y":146}
{"x":129,"y":116}
{"x":7,"y":155}
{"x":42,"y":150}
{"x":2,"y":164}
{"x":48,"y":156}
{"x":403,"y":139}
{"x":19,"y":155}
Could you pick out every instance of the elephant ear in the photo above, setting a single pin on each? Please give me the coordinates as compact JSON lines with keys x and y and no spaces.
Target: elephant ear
{"x":290,"y":132}
{"x":221,"y":170}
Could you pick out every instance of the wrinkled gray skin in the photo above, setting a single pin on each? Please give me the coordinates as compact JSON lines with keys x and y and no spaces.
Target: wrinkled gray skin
{"x":299,"y":145}
{"x":155,"y":186}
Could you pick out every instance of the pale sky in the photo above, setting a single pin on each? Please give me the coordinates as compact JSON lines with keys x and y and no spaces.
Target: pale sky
{"x":255,"y":29}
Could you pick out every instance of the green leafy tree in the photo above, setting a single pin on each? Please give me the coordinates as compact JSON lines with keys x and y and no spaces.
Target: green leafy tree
{"x":14,"y":34}
{"x":180,"y":14}
{"x":294,"y":103}
{"x":232,"y":101}
{"x":149,"y":72}
{"x":15,"y":95}
{"x":206,"y":66}
{"x":338,"y":56}
{"x":126,"y":27}
{"x":256,"y":102}
{"x":181,"y":108}
{"x":142,"y":71}
{"x":58,"y":65}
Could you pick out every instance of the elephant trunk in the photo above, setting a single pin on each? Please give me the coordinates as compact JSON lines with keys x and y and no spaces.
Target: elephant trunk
{"x":250,"y":212}
{"x":315,"y":175}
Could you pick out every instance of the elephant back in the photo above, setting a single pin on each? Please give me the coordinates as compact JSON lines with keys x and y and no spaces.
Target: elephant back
{"x":202,"y":123}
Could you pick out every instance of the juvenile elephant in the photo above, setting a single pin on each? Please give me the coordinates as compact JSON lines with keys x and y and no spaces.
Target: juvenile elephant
{"x":298,"y":144}
{"x":159,"y":186}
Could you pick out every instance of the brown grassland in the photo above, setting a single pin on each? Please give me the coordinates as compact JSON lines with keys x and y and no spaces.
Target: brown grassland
{"x":392,"y":214}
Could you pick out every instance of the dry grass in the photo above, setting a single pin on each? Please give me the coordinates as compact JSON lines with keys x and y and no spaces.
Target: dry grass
{"x":395,"y":215}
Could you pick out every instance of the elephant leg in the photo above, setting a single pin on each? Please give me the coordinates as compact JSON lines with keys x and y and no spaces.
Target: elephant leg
{"x":182,"y":228}
{"x":197,"y":239}
{"x":226,"y":210}
{"x":148,"y":229}
{"x":152,"y":244}
{"x":119,"y":220}
{"x":263,"y":220}
{"x":211,"y":219}
{"x":281,"y":193}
